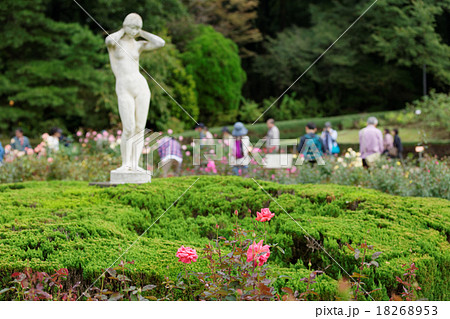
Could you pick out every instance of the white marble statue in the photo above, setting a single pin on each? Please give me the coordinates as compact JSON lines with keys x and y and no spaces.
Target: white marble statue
{"x":132,"y":89}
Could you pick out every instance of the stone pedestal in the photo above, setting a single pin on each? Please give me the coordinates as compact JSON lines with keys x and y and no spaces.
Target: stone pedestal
{"x":130,"y":177}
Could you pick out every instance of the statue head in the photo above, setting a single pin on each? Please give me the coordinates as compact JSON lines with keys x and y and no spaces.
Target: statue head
{"x":132,"y":24}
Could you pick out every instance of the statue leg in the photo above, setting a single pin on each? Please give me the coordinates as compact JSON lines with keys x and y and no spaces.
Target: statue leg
{"x":126,"y":111}
{"x":142,"y":106}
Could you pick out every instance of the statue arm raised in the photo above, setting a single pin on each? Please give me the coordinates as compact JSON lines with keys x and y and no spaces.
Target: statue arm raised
{"x":112,"y":39}
{"x":152,"y":41}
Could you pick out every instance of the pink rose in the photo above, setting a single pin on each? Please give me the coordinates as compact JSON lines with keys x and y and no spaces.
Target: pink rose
{"x":119,"y":132}
{"x":293,"y":169}
{"x":211,"y":166}
{"x":188,"y":153}
{"x":50,"y":160}
{"x":180,"y":138}
{"x":183,"y":147}
{"x":170,"y":131}
{"x":30,"y":151}
{"x":7,"y":148}
{"x":264,"y":216}
{"x":258,"y":253}
{"x":79,"y":133}
{"x":186,"y":255}
{"x":45,"y":136}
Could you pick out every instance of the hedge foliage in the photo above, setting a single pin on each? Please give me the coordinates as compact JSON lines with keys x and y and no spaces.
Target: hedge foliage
{"x":46,"y":225}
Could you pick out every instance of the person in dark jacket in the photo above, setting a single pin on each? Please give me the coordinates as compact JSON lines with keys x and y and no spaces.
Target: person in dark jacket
{"x":310,"y":145}
{"x":398,"y":144}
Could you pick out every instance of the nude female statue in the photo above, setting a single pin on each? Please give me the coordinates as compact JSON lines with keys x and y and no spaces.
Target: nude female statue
{"x":132,"y":89}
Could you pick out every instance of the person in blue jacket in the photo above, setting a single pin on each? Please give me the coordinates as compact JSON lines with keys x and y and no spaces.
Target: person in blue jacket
{"x":311,"y":145}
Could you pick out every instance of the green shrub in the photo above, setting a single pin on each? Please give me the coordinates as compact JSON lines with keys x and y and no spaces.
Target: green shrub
{"x":47,"y":225}
{"x":435,"y":111}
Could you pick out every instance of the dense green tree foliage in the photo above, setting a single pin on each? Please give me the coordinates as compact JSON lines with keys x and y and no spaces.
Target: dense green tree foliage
{"x":236,"y":19}
{"x":52,"y":73}
{"x":376,"y":65}
{"x":215,"y":65}
{"x":55,"y":68}
{"x":57,"y":73}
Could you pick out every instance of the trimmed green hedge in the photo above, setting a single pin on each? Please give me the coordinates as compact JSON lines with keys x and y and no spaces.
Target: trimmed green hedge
{"x":46,"y":225}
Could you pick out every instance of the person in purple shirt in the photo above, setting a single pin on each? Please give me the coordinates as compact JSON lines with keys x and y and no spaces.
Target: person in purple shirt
{"x":370,"y":142}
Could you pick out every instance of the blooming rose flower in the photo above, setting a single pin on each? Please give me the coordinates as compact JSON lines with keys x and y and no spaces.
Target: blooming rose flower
{"x":119,"y":132}
{"x":180,"y":138}
{"x":45,"y":136}
{"x":50,"y":160}
{"x":30,"y":151}
{"x":79,"y":133}
{"x":188,"y":153}
{"x":183,"y":147}
{"x":170,"y":131}
{"x":265,"y":215}
{"x":258,"y":253}
{"x":186,"y":255}
{"x":211,"y":166}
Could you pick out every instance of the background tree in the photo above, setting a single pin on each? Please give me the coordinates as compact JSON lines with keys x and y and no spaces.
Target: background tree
{"x":406,"y":33}
{"x":51,"y":72}
{"x":358,"y":73}
{"x":214,"y":63}
{"x":236,"y":19}
{"x":166,"y":67}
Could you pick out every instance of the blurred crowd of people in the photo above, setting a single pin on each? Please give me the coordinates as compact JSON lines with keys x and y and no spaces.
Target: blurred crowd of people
{"x":310,"y":146}
{"x":20,"y":144}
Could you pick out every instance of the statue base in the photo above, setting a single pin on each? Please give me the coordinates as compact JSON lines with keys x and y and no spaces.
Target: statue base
{"x":130,"y":177}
